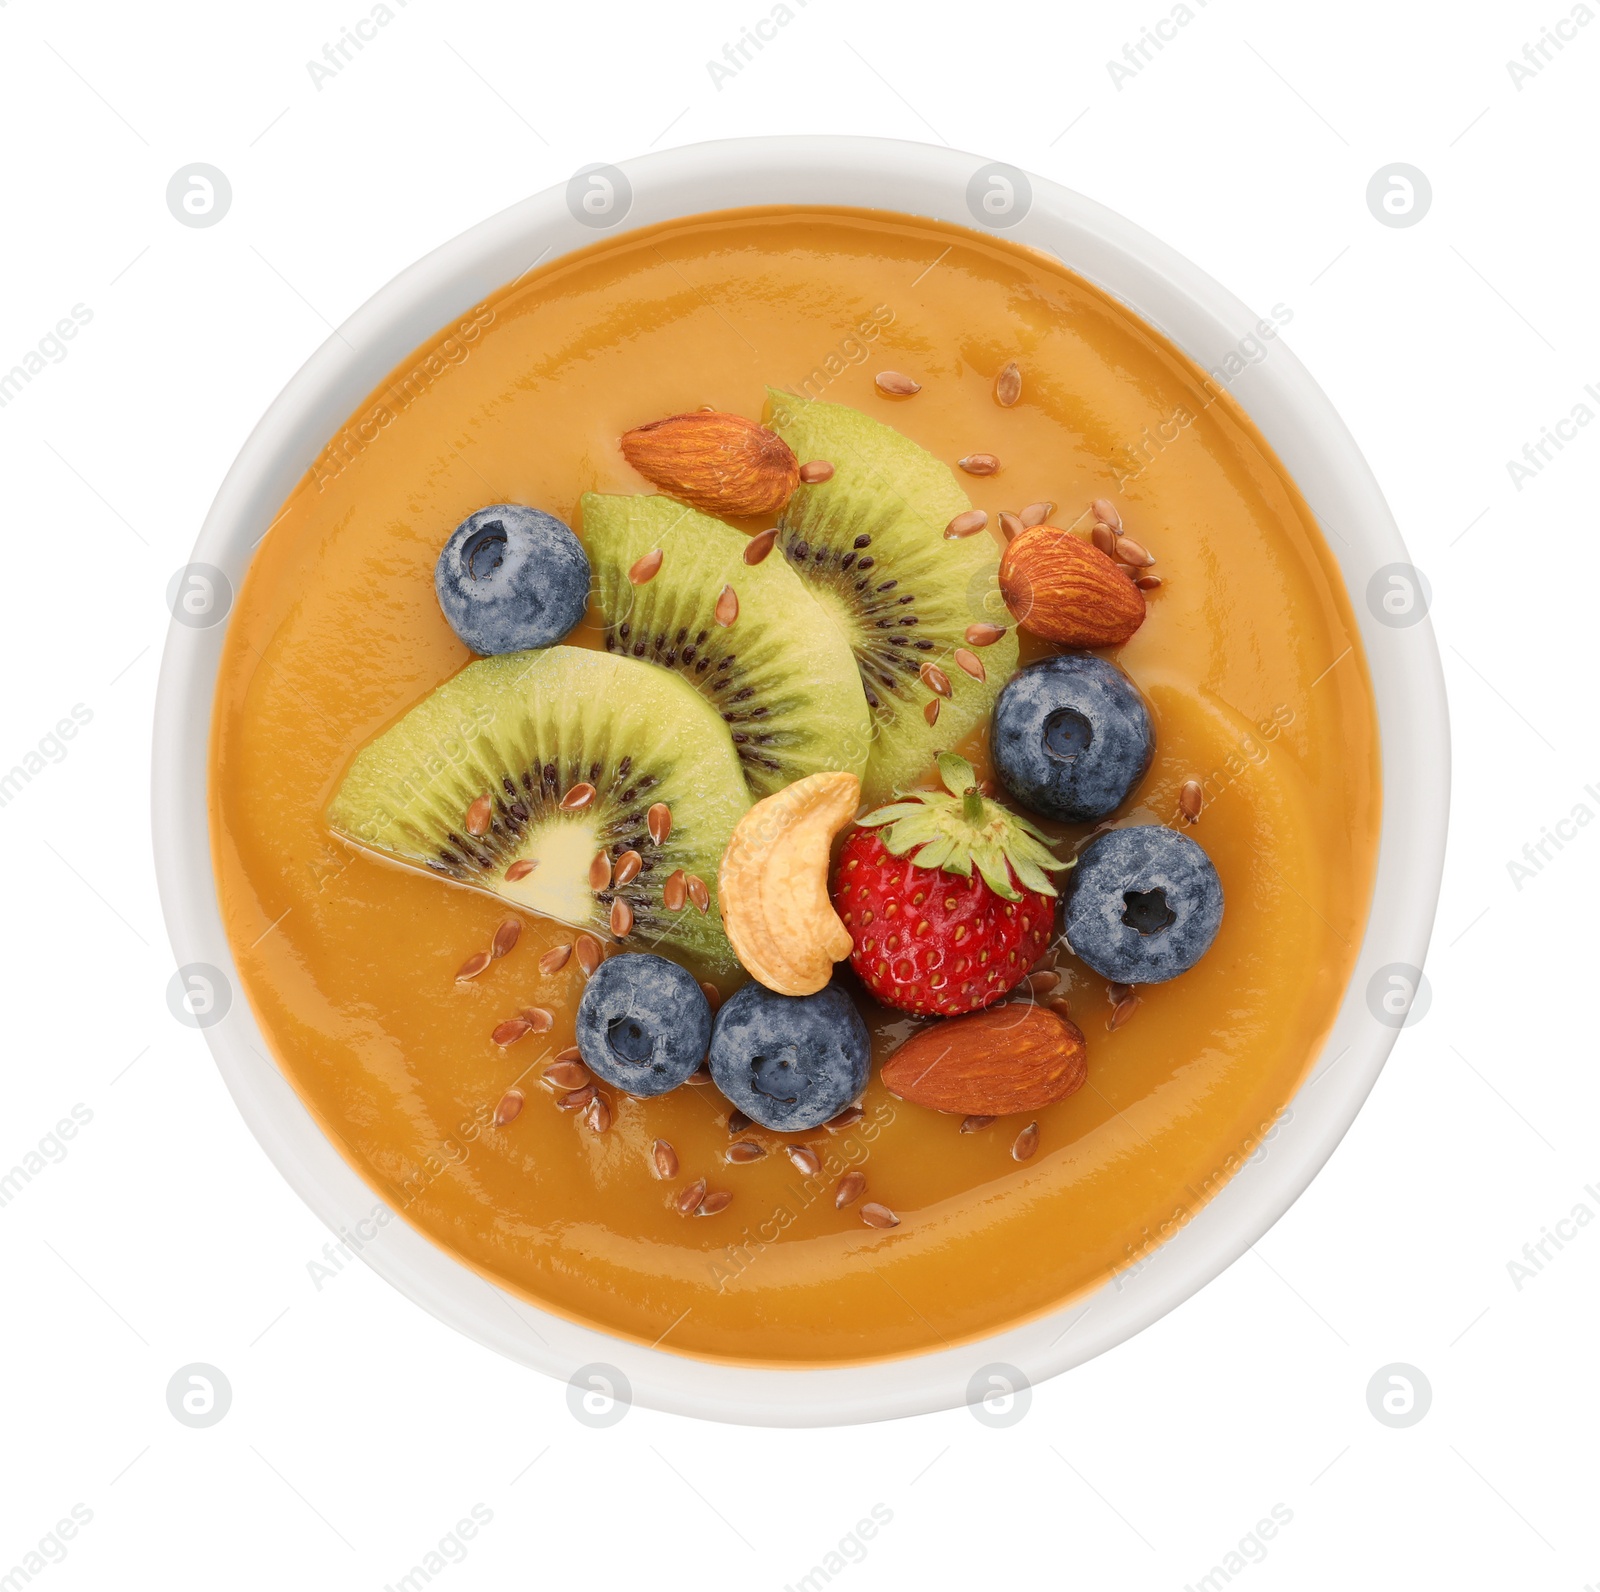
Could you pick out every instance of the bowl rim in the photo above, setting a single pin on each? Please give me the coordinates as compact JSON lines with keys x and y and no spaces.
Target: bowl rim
{"x":1155,"y":283}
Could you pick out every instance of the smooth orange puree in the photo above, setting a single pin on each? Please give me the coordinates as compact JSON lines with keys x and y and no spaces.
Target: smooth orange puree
{"x":1249,"y":659}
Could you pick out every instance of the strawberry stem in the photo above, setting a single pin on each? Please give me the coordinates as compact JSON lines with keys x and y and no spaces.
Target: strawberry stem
{"x":959,"y":829}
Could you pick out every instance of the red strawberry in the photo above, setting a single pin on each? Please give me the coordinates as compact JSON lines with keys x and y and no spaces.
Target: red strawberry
{"x":947,"y":898}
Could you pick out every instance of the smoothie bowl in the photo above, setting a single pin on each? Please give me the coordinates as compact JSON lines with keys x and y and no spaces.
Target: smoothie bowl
{"x":793,"y":789}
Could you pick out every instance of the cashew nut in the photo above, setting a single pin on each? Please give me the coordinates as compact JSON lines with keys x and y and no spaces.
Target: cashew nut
{"x":773,"y":885}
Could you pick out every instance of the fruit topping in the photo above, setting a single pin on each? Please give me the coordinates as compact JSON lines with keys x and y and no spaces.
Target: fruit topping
{"x":720,"y":463}
{"x":1071,"y":738}
{"x":533,"y":729}
{"x":643,"y":1023}
{"x":1066,"y":591}
{"x":774,"y":884}
{"x":511,"y":578}
{"x":790,"y":1062}
{"x":1009,"y":1058}
{"x":946,"y":897}
{"x":750,"y":638}
{"x":1143,"y":904}
{"x":870,"y":544}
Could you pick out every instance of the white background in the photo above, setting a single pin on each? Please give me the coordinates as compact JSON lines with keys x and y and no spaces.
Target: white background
{"x":360,"y":1430}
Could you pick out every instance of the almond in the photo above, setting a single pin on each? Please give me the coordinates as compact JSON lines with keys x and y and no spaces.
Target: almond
{"x":1065,"y":591}
{"x":716,"y":462}
{"x":1010,"y":1058}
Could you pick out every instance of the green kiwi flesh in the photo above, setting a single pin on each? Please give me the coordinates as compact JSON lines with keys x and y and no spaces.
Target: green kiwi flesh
{"x":782,"y":675}
{"x":525,"y":728}
{"x":869,"y":544}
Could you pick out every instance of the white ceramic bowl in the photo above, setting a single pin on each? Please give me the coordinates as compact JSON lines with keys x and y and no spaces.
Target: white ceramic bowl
{"x":1158,"y":285}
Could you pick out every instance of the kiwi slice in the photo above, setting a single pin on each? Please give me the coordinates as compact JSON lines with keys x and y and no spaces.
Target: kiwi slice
{"x":781,"y":673}
{"x":869,"y":543}
{"x":526,"y":730}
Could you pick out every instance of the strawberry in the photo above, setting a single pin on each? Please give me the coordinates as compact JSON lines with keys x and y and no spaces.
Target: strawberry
{"x":947,"y":897}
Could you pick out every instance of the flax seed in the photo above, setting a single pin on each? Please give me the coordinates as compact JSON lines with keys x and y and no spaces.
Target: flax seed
{"x":1043,"y":983}
{"x":848,"y":1189}
{"x":700,"y":1077}
{"x":1132,"y":552}
{"x":510,"y":1031}
{"x":1011,"y":525}
{"x":742,"y":1151}
{"x":846,"y":1119}
{"x":675,"y":891}
{"x":590,"y":954}
{"x":1036,"y":513}
{"x":936,"y":680}
{"x":600,"y":872}
{"x":659,"y":822}
{"x":727,"y":609}
{"x":712,"y":994}
{"x":688,"y":1202}
{"x":968,"y":524}
{"x":646,"y":568}
{"x":1105,"y":539}
{"x":1105,"y":509}
{"x":554,"y":959}
{"x":1148,"y":582}
{"x":737,"y":1121}
{"x":698,"y":893}
{"x":520,"y":870}
{"x":984,"y":635}
{"x":578,"y":1099}
{"x":566,"y":1075}
{"x":473,"y":966}
{"x":577,"y":798}
{"x":628,"y":865}
{"x":975,"y":1124}
{"x":621,"y":919}
{"x":663,"y":1159}
{"x":478,"y":816}
{"x":597,"y":1118}
{"x":1025,"y":1142}
{"x":506,"y":937}
{"x":1191,"y":799}
{"x":718,"y":1199}
{"x":760,"y":545}
{"x":805,"y":1161}
{"x":510,"y":1107}
{"x":816,"y":472}
{"x":971,"y":663}
{"x":875,"y":1215}
{"x":1008,"y":385}
{"x":931,"y":711}
{"x":980,"y":464}
{"x":1124,"y":1009}
{"x":895,"y":385}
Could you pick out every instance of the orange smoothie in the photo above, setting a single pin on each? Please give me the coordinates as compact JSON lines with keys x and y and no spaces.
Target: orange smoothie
{"x":1249,"y":659}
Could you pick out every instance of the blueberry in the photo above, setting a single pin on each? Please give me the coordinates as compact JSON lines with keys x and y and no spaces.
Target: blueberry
{"x":511,"y":578}
{"x":643,"y":1023}
{"x":1142,"y":905}
{"x":1071,"y":737}
{"x":790,"y":1062}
